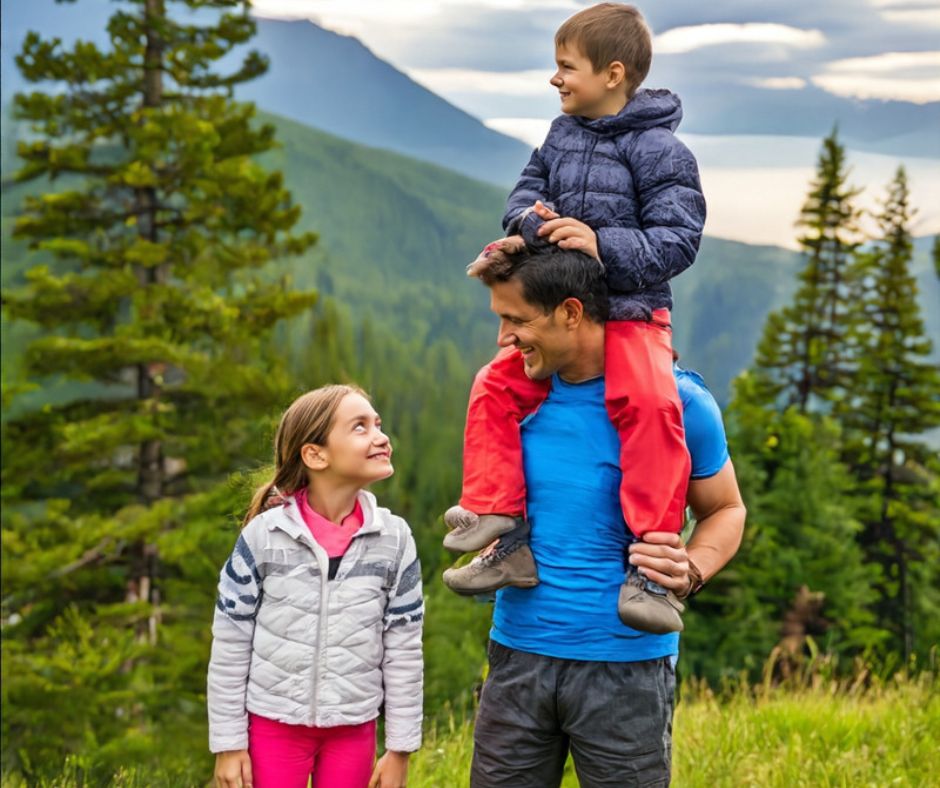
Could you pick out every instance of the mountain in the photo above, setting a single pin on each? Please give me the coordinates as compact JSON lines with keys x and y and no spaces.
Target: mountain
{"x":319,"y":78}
{"x":396,"y":233}
{"x":895,"y":127}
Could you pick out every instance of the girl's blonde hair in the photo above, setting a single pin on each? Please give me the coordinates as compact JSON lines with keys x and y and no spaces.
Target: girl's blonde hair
{"x":309,"y":419}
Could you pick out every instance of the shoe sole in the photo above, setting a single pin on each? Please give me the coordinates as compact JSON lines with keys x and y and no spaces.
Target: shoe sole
{"x":477,"y":537}
{"x":657,"y":622}
{"x":491,"y":587}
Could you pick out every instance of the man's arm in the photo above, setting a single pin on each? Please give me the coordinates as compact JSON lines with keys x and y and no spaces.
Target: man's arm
{"x":719,"y":513}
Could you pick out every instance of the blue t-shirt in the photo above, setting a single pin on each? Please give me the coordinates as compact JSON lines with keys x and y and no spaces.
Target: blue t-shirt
{"x":579,"y":537}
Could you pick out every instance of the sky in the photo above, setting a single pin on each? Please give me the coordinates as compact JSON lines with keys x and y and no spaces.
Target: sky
{"x":493,"y":58}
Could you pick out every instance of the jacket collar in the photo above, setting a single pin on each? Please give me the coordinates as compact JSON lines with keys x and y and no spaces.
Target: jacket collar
{"x":647,"y":109}
{"x":288,"y":519}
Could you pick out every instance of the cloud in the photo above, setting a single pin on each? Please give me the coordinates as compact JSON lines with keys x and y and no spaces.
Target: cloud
{"x":778,"y":83}
{"x":922,"y":13}
{"x":530,"y":130}
{"x":465,"y":80}
{"x":366,"y":18}
{"x":898,"y":76}
{"x":686,"y":39}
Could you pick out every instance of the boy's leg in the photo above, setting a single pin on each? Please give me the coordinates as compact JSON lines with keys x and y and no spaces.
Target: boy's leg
{"x":502,"y":395}
{"x":493,"y":500}
{"x":644,"y":406}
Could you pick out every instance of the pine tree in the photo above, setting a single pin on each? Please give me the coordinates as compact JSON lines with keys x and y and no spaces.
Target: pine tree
{"x":803,"y":357}
{"x":157,"y":223}
{"x":800,"y":530}
{"x":892,"y":403}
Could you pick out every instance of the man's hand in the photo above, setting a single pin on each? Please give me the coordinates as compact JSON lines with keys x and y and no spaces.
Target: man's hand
{"x":512,"y":244}
{"x":233,"y":769}
{"x":663,"y":559}
{"x":568,"y":233}
{"x":391,"y":771}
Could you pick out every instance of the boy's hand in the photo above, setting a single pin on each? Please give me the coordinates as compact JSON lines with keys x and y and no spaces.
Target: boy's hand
{"x":391,"y":771}
{"x":569,"y":233}
{"x":511,"y":245}
{"x":543,"y":211}
{"x":233,"y":769}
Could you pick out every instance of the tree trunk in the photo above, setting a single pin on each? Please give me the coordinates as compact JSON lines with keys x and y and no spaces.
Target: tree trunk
{"x":150,"y":480}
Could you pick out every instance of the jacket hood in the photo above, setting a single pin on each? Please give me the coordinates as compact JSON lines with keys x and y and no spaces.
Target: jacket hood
{"x":647,"y":109}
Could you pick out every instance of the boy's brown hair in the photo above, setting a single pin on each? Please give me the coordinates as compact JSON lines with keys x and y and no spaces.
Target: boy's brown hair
{"x":611,"y":31}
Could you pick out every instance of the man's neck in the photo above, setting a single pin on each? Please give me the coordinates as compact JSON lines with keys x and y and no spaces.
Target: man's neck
{"x":587,"y":362}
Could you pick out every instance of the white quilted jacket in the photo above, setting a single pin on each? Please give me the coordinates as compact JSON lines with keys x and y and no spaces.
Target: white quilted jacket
{"x":293,"y":646}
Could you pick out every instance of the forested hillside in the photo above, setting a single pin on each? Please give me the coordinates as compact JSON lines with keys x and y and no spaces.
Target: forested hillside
{"x":396,"y":233}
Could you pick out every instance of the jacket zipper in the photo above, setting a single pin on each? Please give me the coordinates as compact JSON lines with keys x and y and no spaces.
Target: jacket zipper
{"x":321,"y":628}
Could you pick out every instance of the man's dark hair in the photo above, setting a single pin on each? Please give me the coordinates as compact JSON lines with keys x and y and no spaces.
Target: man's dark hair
{"x":550,"y":276}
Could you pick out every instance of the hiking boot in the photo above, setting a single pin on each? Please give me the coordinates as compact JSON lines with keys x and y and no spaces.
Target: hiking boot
{"x":647,"y":606}
{"x":496,"y":567}
{"x":470,"y":532}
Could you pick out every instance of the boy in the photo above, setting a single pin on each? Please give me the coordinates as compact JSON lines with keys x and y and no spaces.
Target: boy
{"x":612,"y":181}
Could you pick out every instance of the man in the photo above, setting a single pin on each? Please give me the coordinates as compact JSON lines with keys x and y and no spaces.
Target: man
{"x":564,"y":672}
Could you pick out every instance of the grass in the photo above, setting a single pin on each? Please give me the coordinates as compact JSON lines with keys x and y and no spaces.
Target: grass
{"x":832,"y":734}
{"x":867,"y":732}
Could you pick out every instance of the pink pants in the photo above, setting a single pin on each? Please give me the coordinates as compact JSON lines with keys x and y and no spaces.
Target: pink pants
{"x":284,"y":756}
{"x":642,"y":402}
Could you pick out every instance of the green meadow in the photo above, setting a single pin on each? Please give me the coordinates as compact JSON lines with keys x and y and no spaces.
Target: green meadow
{"x":833,"y":734}
{"x":862,"y":732}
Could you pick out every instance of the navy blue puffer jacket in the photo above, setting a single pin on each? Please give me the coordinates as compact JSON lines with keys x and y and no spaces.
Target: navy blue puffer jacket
{"x":628,"y":178}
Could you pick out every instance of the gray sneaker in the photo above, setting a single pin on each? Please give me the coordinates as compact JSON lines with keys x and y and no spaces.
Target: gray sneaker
{"x":495,"y":568}
{"x":647,"y":606}
{"x":470,"y":532}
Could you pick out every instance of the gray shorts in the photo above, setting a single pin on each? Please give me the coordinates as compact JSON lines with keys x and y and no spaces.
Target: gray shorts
{"x":615,"y":717}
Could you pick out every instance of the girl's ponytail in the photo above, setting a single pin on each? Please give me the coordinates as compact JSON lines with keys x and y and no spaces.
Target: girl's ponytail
{"x":265,"y":497}
{"x":309,"y":419}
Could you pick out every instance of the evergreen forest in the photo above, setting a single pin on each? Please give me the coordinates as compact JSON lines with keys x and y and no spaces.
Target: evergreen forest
{"x":178,"y":266}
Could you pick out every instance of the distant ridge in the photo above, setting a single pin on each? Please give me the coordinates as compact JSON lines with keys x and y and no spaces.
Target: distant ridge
{"x":316,"y":77}
{"x":370,"y":101}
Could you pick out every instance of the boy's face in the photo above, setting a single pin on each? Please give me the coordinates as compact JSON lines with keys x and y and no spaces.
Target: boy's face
{"x":582,"y":91}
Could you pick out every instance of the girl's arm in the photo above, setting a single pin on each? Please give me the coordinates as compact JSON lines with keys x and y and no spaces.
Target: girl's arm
{"x":403,"y":663}
{"x":232,"y":632}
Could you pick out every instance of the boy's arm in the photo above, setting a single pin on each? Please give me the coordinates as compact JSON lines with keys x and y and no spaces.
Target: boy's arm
{"x":672,"y":216}
{"x":532,"y":187}
{"x":403,"y":662}
{"x":232,"y":632}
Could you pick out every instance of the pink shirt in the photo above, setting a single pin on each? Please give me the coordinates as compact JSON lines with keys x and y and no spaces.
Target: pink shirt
{"x":331,"y":537}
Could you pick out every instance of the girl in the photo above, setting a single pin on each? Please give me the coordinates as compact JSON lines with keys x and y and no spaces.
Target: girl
{"x":319,"y":614}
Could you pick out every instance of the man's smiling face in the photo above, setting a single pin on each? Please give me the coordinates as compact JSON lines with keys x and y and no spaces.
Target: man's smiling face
{"x":543,"y":339}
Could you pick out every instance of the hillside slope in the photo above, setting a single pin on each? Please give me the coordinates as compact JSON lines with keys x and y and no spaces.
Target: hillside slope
{"x":317,"y":77}
{"x":396,"y":234}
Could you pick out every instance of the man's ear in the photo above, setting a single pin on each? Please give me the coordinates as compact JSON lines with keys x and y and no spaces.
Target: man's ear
{"x":572,"y":312}
{"x":616,"y":74}
{"x":314,"y":457}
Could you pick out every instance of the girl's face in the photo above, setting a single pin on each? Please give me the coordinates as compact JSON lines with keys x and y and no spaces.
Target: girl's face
{"x":356,"y":448}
